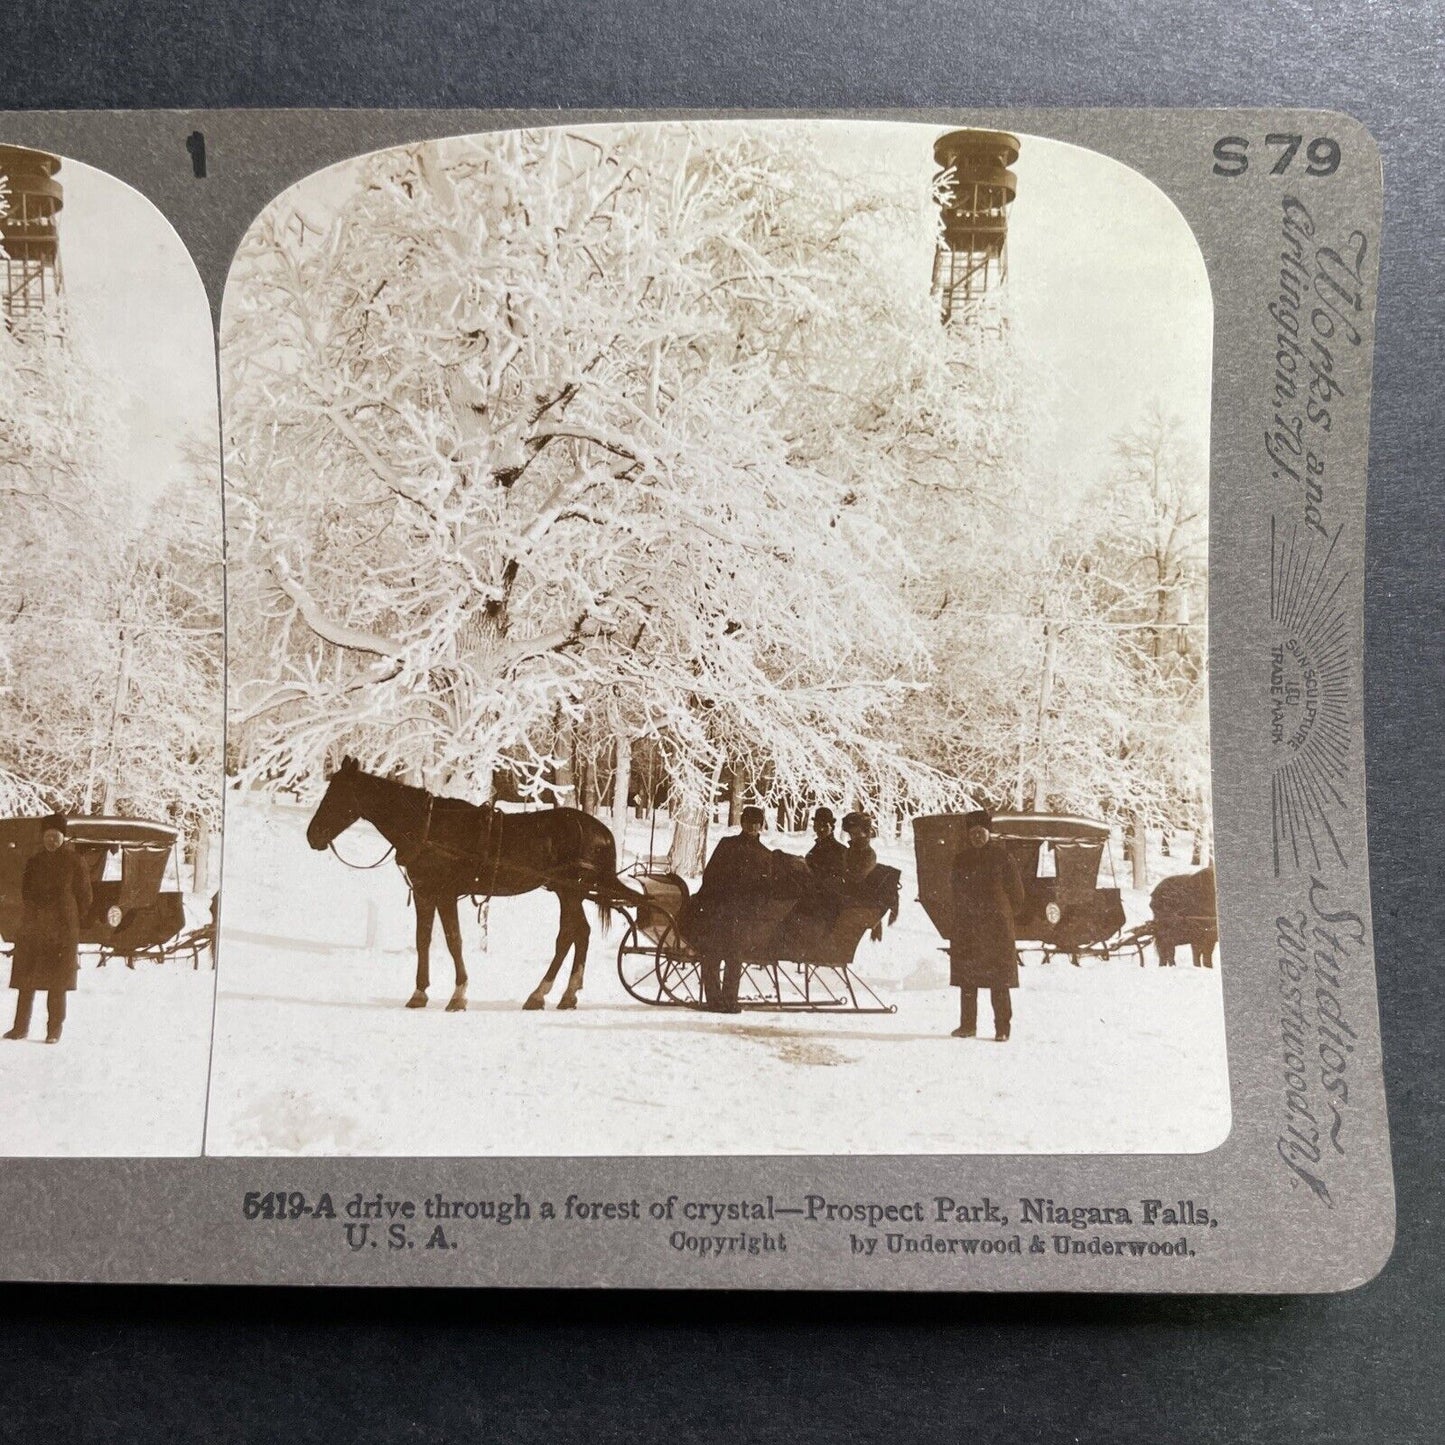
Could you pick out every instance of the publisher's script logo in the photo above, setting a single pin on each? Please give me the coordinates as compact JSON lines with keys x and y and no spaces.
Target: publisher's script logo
{"x":1309,"y":713}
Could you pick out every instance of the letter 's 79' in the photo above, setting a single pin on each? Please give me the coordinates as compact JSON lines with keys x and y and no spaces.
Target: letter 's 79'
{"x":1322,"y":154}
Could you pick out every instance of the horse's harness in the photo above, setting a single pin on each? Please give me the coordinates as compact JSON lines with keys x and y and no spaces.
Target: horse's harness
{"x":491,"y":840}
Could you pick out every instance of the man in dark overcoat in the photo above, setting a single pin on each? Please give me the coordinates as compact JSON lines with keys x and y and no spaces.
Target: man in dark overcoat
{"x":55,"y":893}
{"x":988,"y":895}
{"x":737,"y":877}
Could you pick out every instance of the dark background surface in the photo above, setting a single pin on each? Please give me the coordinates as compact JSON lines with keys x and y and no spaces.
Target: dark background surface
{"x":89,"y":1364}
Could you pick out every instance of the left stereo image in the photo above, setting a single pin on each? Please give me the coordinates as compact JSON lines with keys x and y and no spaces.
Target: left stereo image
{"x":111,"y":663}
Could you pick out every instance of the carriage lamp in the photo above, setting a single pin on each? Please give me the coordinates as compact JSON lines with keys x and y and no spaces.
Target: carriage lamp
{"x":113,"y":915}
{"x":1053,"y":912}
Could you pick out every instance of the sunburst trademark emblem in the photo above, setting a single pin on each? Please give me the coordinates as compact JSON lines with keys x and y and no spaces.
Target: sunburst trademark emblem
{"x":1309,"y":708}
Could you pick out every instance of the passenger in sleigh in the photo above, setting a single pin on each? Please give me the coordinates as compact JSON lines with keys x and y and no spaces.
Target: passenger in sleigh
{"x":866,"y":882}
{"x":827,"y":859}
{"x":820,"y":883}
{"x":840,"y":878}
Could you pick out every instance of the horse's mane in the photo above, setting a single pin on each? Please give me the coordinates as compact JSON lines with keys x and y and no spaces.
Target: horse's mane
{"x":416,"y":794}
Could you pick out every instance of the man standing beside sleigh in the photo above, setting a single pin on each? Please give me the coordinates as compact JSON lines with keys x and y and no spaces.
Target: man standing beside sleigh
{"x":988,"y":896}
{"x":55,"y":892}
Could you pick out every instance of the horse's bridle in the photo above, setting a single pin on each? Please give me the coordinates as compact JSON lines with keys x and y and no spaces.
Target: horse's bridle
{"x":361,"y":867}
{"x":391,"y":847}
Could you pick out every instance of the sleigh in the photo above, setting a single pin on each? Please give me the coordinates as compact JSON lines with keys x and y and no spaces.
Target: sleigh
{"x":794,"y":957}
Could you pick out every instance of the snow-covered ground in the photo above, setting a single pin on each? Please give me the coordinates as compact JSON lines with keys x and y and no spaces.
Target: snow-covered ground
{"x":314,"y":1053}
{"x":129,"y":1075}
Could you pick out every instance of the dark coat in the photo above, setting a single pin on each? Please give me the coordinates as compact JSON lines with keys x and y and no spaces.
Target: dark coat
{"x":987,"y":896}
{"x":720,"y":920}
{"x":56,"y":893}
{"x":861,"y":860}
{"x":828,"y":860}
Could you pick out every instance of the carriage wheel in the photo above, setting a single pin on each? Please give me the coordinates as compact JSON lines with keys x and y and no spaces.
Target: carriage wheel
{"x":679,"y":974}
{"x":638,"y":963}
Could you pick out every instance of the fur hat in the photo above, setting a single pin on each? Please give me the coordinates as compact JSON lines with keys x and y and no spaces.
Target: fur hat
{"x":56,"y":822}
{"x":752,"y":814}
{"x":979,"y":818}
{"x":859,"y":823}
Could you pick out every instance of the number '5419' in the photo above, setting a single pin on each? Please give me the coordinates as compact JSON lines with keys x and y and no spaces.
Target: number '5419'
{"x":1322,"y":155}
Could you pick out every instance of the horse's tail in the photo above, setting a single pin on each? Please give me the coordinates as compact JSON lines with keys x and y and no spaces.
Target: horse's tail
{"x":608,"y":894}
{"x":605,"y":889}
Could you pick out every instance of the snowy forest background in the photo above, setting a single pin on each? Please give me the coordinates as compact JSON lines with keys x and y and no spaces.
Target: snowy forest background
{"x":632,"y":466}
{"x":111,"y":643}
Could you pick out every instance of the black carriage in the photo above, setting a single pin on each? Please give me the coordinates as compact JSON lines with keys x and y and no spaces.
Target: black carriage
{"x":136,"y":910}
{"x":795,"y":958}
{"x":1066,"y":909}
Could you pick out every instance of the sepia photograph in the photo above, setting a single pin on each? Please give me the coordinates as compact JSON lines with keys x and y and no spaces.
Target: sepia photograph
{"x":111,"y":659}
{"x":717,"y":652}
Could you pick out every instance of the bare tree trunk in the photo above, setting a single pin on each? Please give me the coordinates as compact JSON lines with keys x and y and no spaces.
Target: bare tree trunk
{"x":1138,"y":851}
{"x":1019,"y":776}
{"x":621,"y":782}
{"x":201,"y":862}
{"x":589,"y":786}
{"x":735,"y":797}
{"x":688,"y":852}
{"x":564,"y":775}
{"x":688,"y":849}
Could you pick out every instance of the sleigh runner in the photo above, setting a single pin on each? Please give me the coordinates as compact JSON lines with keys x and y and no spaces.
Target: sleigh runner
{"x":798,"y":968}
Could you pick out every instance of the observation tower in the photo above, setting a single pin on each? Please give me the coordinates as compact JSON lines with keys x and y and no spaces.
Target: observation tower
{"x":29,"y":237}
{"x":975,"y":188}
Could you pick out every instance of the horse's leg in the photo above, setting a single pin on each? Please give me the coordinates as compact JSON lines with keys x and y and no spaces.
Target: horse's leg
{"x":538,"y":997}
{"x":452,"y":931}
{"x":425,"y":904}
{"x":581,"y":932}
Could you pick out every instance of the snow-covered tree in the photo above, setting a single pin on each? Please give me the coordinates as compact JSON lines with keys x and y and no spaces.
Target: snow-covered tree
{"x":554,"y":424}
{"x":60,"y":527}
{"x":110,"y":619}
{"x":548,"y":448}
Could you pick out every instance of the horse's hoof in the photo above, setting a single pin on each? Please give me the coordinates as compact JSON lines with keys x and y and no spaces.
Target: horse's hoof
{"x":568,"y":1000}
{"x":533,"y":1004}
{"x":457,"y":1006}
{"x":417,"y":1000}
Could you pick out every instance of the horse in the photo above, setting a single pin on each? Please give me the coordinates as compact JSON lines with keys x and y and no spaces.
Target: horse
{"x":449,"y":848}
{"x":1185,"y":911}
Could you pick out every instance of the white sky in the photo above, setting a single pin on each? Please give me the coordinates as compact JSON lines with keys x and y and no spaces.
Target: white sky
{"x":1109,"y":284}
{"x":1107,"y":287}
{"x":137,"y":301}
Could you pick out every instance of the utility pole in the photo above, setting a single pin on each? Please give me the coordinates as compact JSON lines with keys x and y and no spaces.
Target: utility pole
{"x":1046,"y":697}
{"x":117,"y":717}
